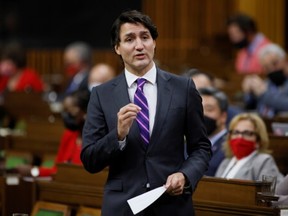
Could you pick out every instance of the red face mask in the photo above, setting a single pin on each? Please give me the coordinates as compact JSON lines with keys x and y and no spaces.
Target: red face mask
{"x":71,"y":70}
{"x":242,"y":147}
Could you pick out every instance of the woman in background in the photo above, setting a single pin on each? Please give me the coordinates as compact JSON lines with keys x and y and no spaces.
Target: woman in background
{"x":246,"y":149}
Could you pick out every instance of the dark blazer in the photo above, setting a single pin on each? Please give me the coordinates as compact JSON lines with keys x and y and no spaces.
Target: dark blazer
{"x":218,"y":156}
{"x":179,"y":113}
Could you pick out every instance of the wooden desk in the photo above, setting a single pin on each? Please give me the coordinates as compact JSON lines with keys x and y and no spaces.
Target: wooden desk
{"x":279,"y":147}
{"x":26,"y":105}
{"x":40,"y":138}
{"x":218,"y":197}
{"x":74,"y":186}
{"x":17,"y":196}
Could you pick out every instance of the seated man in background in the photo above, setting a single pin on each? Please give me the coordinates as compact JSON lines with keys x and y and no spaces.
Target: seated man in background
{"x":215,"y":106}
{"x":74,"y":113}
{"x":246,"y":150}
{"x":205,"y":80}
{"x":271,"y":95}
{"x":99,"y":74}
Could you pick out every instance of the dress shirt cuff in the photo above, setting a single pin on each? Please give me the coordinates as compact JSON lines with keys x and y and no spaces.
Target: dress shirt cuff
{"x":122,"y":144}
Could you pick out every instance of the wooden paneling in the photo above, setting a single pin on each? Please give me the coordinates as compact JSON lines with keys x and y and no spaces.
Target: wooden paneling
{"x":50,"y":65}
{"x":184,"y":28}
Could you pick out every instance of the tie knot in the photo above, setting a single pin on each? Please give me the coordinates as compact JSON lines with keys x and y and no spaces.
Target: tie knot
{"x":141,"y":82}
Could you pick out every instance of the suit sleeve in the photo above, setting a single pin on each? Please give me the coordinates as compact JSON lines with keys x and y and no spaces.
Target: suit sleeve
{"x":99,"y":144}
{"x":198,"y":144}
{"x":277,"y":100}
{"x":268,"y":167}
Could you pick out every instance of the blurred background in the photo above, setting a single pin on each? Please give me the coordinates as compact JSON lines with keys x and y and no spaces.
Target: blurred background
{"x":192,"y":32}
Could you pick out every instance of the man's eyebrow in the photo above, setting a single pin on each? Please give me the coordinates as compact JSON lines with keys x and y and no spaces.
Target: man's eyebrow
{"x":133,"y":33}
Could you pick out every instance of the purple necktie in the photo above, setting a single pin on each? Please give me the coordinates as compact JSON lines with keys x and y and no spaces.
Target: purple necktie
{"x":143,"y":116}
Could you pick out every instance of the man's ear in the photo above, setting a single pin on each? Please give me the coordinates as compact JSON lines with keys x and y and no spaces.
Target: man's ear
{"x":116,"y":49}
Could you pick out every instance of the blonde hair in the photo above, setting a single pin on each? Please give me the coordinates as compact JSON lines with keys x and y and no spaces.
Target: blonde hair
{"x":260,"y":130}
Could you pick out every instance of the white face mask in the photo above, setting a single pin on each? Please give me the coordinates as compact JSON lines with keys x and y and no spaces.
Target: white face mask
{"x":94,"y":84}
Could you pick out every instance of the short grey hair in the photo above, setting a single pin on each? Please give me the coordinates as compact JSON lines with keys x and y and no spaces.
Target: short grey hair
{"x":272,"y":48}
{"x":83,"y":49}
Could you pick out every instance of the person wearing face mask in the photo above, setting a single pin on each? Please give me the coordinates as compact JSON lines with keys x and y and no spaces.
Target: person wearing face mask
{"x":243,"y":34}
{"x":246,"y":150}
{"x":77,"y":62}
{"x":99,"y":74}
{"x":271,"y":95}
{"x":215,"y":105}
{"x":73,"y":115}
{"x":206,"y":80}
{"x":15,"y":76}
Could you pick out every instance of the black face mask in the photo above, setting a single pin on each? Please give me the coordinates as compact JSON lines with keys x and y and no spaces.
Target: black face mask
{"x":277,"y":77}
{"x":241,"y":44}
{"x":70,"y":122}
{"x":210,"y":125}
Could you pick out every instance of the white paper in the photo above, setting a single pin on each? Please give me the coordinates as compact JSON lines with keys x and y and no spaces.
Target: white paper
{"x":142,"y":201}
{"x":284,"y":212}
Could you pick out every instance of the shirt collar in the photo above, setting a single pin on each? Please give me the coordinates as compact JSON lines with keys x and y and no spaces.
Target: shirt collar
{"x":150,"y":76}
{"x":216,"y":137}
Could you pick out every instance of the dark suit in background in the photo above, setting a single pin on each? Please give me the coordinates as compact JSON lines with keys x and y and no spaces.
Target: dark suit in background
{"x":218,"y":155}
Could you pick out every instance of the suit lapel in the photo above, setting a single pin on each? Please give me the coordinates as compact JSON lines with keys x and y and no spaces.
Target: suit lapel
{"x":120,"y":92}
{"x":164,"y":95}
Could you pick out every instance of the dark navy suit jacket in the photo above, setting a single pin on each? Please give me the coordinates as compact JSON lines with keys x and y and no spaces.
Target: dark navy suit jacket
{"x":218,"y":156}
{"x":179,"y":113}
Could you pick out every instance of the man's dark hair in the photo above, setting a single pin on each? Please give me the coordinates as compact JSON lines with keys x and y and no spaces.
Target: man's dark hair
{"x":131,"y":16}
{"x":245,"y":23}
{"x":218,"y":95}
{"x":192,"y":72}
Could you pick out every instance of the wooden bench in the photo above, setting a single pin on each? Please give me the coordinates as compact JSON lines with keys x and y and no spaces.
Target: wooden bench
{"x":218,"y":197}
{"x":279,"y":147}
{"x":17,"y":195}
{"x":27,"y":105}
{"x":74,"y":186}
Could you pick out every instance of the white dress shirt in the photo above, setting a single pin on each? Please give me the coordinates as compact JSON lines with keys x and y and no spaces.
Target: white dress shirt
{"x":235,"y":165}
{"x":149,"y":89}
{"x":150,"y":92}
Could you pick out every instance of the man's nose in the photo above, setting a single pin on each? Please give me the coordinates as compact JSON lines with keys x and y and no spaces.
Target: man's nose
{"x":139,"y":44}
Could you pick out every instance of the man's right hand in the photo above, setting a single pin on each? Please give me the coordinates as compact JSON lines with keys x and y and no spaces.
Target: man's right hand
{"x":126,"y":116}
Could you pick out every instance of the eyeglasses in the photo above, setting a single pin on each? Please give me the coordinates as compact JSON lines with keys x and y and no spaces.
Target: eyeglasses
{"x":245,"y":133}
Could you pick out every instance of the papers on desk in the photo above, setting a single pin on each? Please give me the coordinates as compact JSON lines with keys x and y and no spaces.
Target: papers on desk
{"x":142,"y":201}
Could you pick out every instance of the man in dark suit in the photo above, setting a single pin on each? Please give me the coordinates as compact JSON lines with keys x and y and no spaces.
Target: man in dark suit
{"x":143,"y":144}
{"x":215,"y":105}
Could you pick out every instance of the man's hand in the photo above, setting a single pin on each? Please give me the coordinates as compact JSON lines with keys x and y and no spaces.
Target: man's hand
{"x":126,"y":116}
{"x":175,"y":184}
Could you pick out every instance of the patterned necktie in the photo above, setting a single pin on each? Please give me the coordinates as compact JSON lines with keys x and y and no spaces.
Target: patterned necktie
{"x":143,"y":116}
